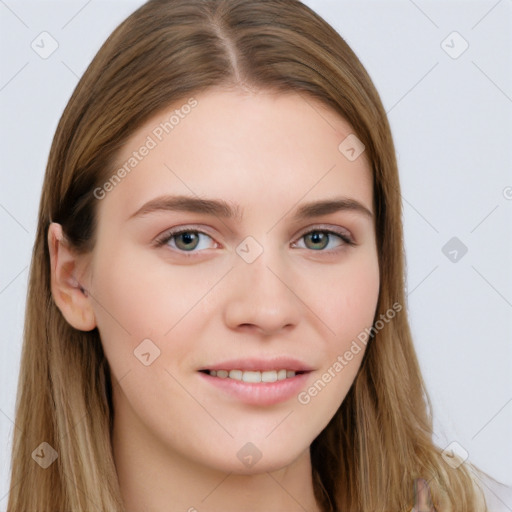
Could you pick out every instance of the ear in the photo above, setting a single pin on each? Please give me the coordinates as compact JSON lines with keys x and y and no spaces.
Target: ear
{"x":68,"y":292}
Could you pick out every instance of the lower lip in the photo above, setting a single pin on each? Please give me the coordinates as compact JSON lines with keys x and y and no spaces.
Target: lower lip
{"x":264,"y":393}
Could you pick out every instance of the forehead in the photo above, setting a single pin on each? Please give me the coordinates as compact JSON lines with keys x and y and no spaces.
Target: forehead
{"x":254,"y":149}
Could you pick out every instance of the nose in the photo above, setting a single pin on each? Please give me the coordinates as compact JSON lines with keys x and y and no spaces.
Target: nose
{"x":261,"y":296}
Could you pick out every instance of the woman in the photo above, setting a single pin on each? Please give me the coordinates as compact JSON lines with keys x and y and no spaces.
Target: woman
{"x":273,"y":367}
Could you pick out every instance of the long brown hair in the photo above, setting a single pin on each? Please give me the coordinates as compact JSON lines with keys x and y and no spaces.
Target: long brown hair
{"x":380,"y":440}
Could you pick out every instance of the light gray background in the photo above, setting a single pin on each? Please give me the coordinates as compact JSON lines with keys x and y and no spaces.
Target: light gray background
{"x":452,"y":123}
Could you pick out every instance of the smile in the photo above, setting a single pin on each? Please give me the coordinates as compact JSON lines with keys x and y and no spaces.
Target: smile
{"x":253,"y":387}
{"x":254,"y":376}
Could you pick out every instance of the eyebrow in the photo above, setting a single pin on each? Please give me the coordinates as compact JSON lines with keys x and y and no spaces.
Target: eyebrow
{"x":227,"y":210}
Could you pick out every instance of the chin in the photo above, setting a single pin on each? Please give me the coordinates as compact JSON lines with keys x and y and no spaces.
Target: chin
{"x":251,"y":459}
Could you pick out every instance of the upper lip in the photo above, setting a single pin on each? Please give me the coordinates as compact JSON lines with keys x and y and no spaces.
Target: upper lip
{"x":254,"y":364}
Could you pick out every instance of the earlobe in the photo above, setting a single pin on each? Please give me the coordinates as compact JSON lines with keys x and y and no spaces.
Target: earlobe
{"x":69,"y":294}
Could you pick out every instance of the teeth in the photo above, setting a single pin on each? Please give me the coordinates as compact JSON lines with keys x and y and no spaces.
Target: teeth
{"x":250,"y":376}
{"x":254,"y":376}
{"x":270,"y":376}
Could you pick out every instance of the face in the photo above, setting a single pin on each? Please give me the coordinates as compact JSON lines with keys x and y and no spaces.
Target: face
{"x":255,"y":286}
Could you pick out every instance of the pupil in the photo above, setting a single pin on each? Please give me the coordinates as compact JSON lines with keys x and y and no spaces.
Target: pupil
{"x":317,"y":237}
{"x":187,"y":238}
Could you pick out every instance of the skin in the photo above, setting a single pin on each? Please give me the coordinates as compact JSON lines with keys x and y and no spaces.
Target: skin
{"x":176,"y":437}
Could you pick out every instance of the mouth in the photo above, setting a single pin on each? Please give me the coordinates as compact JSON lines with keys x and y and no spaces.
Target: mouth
{"x":257,"y":382}
{"x":254,"y":376}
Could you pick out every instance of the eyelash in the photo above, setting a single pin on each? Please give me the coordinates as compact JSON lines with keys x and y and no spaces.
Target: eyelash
{"x":167,"y":236}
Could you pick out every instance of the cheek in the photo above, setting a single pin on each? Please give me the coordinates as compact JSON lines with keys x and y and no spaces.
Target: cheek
{"x":347,"y":301}
{"x":348,"y":309}
{"x":141,"y":297}
{"x":357,"y":300}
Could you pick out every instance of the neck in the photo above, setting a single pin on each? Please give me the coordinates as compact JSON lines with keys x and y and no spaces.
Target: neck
{"x":154,"y":478}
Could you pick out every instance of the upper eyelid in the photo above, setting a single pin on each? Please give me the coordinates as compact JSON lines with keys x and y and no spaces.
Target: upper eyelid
{"x":325,"y":227}
{"x":168,"y":233}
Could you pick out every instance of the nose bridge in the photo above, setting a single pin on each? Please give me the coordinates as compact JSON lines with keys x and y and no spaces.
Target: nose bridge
{"x":261,"y":261}
{"x":261,"y":293}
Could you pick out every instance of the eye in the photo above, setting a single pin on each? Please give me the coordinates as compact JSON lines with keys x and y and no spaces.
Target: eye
{"x":183,"y":240}
{"x":186,"y":240}
{"x":319,"y":239}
